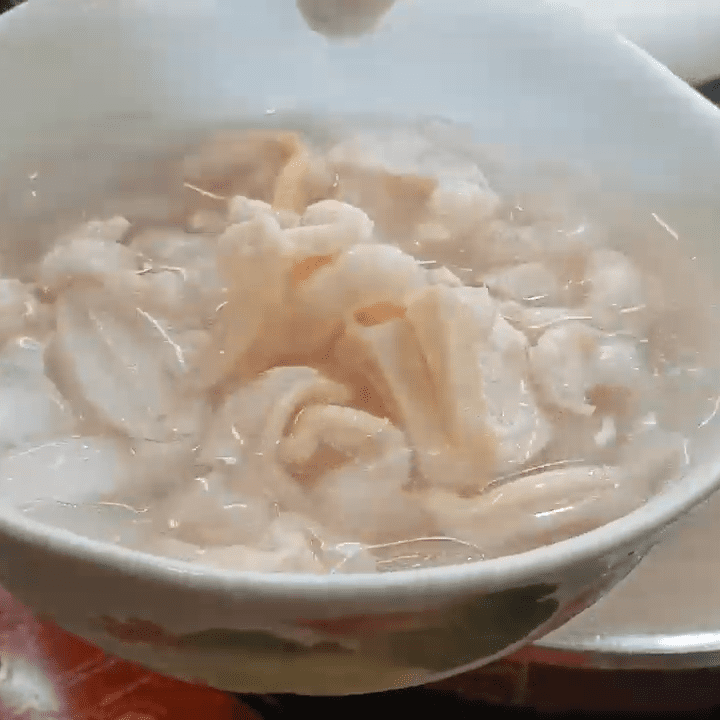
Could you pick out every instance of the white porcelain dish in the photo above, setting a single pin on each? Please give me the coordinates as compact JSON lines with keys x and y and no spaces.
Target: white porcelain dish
{"x":117,"y":76}
{"x":682,"y":34}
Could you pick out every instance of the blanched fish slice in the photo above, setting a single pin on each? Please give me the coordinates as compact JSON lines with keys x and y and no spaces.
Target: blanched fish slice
{"x":305,"y":179}
{"x":18,"y":308}
{"x":542,"y":508}
{"x":616,"y":295}
{"x":118,"y":370}
{"x":345,"y":429}
{"x":443,"y":276}
{"x":520,"y":428}
{"x":237,"y":162}
{"x":31,"y":413}
{"x":403,"y":182}
{"x":245,"y":434}
{"x":334,"y":212}
{"x":284,"y":547}
{"x":254,"y":259}
{"x":207,"y":514}
{"x":104,"y":521}
{"x":328,"y":227}
{"x":31,"y":408}
{"x":456,"y":210}
{"x":403,"y":152}
{"x":242,"y":209}
{"x":534,"y":321}
{"x":180,"y":278}
{"x":572,"y":359}
{"x":452,"y":326}
{"x":365,"y":500}
{"x":390,"y":356}
{"x":462,"y":205}
{"x":174,"y":248}
{"x":362,"y":494}
{"x":72,"y":470}
{"x":111,"y":229}
{"x":363,"y":277}
{"x":527,"y":282}
{"x":296,"y":556}
{"x":500,"y":243}
{"x":480,"y":369}
{"x":319,"y":243}
{"x":88,"y":260}
{"x":261,"y":411}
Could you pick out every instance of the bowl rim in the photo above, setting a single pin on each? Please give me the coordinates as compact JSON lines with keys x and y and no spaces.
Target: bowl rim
{"x":618,"y":536}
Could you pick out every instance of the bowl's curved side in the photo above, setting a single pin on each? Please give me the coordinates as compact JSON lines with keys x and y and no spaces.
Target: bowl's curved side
{"x":370,"y":647}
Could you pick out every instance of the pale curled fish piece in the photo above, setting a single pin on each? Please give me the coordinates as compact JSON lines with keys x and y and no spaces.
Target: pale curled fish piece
{"x":287,"y":543}
{"x":365,"y":500}
{"x":533,"y":321}
{"x":616,"y":297}
{"x":372,"y":279}
{"x":31,"y":408}
{"x":88,"y":260}
{"x":19,"y":308}
{"x":392,"y":177}
{"x":443,"y":276}
{"x":513,"y":414}
{"x":237,"y":162}
{"x":389,"y":355}
{"x":572,"y":359}
{"x":254,"y":259}
{"x":455,"y":212}
{"x":335,"y":212}
{"x":345,"y":429}
{"x":532,"y":281}
{"x":180,"y":280}
{"x":542,"y":508}
{"x":112,"y":229}
{"x":329,"y":227}
{"x":304,"y":180}
{"x":245,"y":434}
{"x":206,"y":513}
{"x":480,"y":371}
{"x":117,"y":368}
{"x":403,"y":153}
{"x":65,"y":469}
{"x":362,"y":495}
{"x":241,"y":209}
{"x":294,"y":556}
{"x":462,"y":205}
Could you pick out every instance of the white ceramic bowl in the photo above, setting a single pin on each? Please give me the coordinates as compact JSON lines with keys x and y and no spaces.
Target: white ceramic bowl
{"x":117,"y":76}
{"x":682,"y":34}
